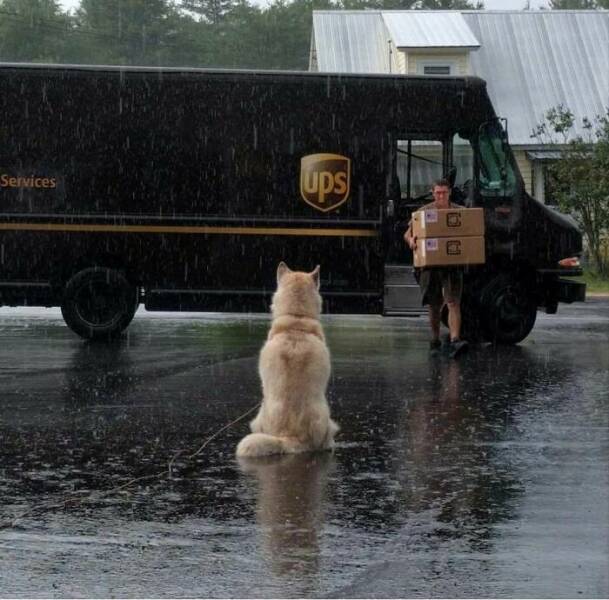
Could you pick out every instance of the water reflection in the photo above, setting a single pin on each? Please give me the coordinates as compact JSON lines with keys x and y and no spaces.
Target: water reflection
{"x":289,"y":510}
{"x":100,"y":373}
{"x":448,"y":459}
{"x":431,"y":446}
{"x":446,"y":465}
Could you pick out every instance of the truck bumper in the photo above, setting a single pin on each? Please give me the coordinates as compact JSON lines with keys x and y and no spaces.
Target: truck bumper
{"x":556,"y":288}
{"x":571,"y":291}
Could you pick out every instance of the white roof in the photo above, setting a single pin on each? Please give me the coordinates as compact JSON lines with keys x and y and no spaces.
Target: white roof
{"x":351,"y":42}
{"x":429,"y":29}
{"x":531,"y":60}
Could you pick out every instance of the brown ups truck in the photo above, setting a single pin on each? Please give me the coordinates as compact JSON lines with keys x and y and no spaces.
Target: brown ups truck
{"x":181,"y":189}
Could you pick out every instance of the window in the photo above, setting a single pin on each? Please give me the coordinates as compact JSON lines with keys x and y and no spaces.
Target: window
{"x":419,"y":164}
{"x":497,"y":177}
{"x":436,"y":70}
{"x":545,"y":186}
{"x":436,"y":67}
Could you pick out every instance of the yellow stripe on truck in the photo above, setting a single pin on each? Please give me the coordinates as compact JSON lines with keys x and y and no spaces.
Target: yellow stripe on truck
{"x":220,"y":230}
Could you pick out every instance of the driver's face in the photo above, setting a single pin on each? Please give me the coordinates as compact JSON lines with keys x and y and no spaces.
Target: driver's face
{"x":441,"y":195}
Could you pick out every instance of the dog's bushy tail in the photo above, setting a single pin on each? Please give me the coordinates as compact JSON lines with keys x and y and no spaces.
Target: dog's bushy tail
{"x":263,"y":444}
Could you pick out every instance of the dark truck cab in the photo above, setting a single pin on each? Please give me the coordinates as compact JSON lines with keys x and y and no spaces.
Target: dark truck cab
{"x":526,"y":244}
{"x":182,"y":189}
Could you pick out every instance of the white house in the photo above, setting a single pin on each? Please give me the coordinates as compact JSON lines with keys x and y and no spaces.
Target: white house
{"x":531,"y":60}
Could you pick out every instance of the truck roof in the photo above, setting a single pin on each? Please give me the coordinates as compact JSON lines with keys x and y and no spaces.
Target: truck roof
{"x":467,"y":80}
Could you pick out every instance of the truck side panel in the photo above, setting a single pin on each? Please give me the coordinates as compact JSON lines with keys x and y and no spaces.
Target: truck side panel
{"x":192,"y":183}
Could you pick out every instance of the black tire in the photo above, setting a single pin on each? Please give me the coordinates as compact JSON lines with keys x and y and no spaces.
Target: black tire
{"x":508,"y":310}
{"x":99,"y":303}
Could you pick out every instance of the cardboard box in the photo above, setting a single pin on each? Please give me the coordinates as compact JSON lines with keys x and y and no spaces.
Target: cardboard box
{"x":432,"y":222}
{"x":449,"y":251}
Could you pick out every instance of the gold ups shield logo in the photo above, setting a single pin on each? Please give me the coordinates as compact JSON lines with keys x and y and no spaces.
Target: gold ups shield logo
{"x":325,"y":180}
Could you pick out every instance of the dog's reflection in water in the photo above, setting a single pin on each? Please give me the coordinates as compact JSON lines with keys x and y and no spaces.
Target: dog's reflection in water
{"x":290,"y":507}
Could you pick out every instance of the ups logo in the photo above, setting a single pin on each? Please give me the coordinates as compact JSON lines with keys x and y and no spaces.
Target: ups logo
{"x":325,"y":180}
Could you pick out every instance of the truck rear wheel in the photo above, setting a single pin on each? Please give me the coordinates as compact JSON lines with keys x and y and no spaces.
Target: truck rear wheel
{"x":99,"y":303}
{"x":508,"y":310}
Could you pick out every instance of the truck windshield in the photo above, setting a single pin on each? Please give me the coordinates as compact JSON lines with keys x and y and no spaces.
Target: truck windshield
{"x":497,"y":176}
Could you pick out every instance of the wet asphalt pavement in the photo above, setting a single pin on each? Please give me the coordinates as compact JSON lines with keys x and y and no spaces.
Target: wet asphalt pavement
{"x":486,"y":476}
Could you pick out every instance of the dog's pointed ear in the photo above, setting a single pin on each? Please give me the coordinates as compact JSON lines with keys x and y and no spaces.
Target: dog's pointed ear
{"x":282,"y":269}
{"x":315,"y":275}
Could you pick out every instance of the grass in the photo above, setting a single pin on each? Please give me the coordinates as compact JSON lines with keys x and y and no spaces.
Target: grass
{"x":595,"y":284}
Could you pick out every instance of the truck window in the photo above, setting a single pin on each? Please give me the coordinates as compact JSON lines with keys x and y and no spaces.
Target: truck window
{"x":419,"y":163}
{"x":497,"y":176}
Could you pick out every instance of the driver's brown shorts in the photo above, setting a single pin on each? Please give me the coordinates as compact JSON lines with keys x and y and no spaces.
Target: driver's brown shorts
{"x":440,"y":284}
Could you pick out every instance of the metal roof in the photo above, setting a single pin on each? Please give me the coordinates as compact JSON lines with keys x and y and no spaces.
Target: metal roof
{"x":429,"y":29}
{"x":544,"y":154}
{"x":531,"y":60}
{"x":351,"y":42}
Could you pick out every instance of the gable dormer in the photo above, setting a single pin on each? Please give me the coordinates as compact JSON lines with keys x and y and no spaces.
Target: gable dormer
{"x":431,"y":42}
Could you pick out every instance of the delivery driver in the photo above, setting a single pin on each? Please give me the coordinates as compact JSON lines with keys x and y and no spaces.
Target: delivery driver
{"x":441,"y":285}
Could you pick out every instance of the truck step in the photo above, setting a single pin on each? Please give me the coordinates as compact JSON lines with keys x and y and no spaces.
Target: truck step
{"x":402,"y":295}
{"x":399,"y":275}
{"x":402,"y":299}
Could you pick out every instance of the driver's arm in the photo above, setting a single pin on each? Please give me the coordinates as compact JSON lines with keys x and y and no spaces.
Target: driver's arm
{"x":409,"y":238}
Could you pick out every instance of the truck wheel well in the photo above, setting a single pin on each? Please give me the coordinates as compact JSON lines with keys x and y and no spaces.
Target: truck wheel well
{"x":109,"y":261}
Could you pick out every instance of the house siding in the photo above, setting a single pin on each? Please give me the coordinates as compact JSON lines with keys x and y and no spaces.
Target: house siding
{"x":401,"y":60}
{"x":526,"y":169}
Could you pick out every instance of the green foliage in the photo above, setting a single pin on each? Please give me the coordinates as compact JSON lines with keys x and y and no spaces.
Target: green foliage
{"x":136,"y":32}
{"x":581,"y":175}
{"x":578,"y":4}
{"x":32,"y":30}
{"x":213,"y":11}
{"x":449,"y":5}
{"x":595,"y":283}
{"x":573,"y":4}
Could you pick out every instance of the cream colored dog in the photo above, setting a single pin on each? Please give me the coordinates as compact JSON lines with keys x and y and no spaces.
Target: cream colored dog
{"x":294,"y":368}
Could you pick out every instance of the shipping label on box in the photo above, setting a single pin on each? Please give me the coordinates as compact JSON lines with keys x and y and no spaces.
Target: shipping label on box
{"x":449,"y":251}
{"x":443,"y":222}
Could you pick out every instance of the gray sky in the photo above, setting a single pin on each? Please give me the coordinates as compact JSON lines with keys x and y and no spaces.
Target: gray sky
{"x":490,"y":4}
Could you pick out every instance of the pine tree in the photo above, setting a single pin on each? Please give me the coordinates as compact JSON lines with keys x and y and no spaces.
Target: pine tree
{"x":213,"y":11}
{"x":129,"y":31}
{"x":449,"y":5}
{"x":32,"y":30}
{"x":572,"y":4}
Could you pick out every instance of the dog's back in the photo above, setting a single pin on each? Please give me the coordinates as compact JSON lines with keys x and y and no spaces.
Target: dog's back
{"x":294,"y":369}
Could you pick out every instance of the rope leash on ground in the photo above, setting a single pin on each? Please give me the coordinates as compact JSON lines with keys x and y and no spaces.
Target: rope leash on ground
{"x":79,"y":498}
